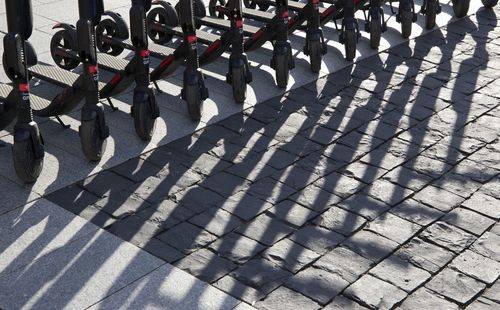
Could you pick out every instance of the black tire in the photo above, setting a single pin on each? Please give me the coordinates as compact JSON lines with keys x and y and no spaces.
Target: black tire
{"x":282,"y":68}
{"x":406,"y":23}
{"x":211,"y":8}
{"x":192,"y":95}
{"x":461,"y":7}
{"x":350,"y":44}
{"x":144,"y":118}
{"x":315,"y":55}
{"x":110,"y":28}
{"x":93,"y":145}
{"x":62,"y":39}
{"x":161,"y":15}
{"x":249,"y":4}
{"x":239,"y":83}
{"x":263,"y":6}
{"x":28,"y":167}
{"x":489,"y":3}
{"x":375,"y":33}
{"x":430,"y":14}
{"x":198,"y":9}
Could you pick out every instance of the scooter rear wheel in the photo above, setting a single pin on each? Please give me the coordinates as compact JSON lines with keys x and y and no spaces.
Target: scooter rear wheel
{"x":315,"y":55}
{"x":93,"y":145}
{"x":282,"y":68}
{"x":63,"y":39}
{"x":239,"y":83}
{"x":144,"y":113}
{"x":489,"y":3}
{"x":253,"y":4}
{"x":431,"y":11}
{"x":28,"y":167}
{"x":212,"y":5}
{"x":375,"y":33}
{"x":350,"y":44}
{"x":461,"y":7}
{"x":406,"y":23}
{"x":161,"y":15}
{"x":108,"y":27}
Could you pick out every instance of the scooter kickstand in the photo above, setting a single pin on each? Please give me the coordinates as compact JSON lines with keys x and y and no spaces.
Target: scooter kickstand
{"x":60,"y":121}
{"x":111,"y":104}
{"x":157,"y":87}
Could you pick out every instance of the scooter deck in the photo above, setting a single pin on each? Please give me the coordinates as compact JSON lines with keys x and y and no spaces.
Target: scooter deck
{"x":37,"y":103}
{"x":203,"y":36}
{"x":55,"y":75}
{"x":224,"y":24}
{"x":159,"y":51}
{"x":111,"y":63}
{"x":258,"y":15}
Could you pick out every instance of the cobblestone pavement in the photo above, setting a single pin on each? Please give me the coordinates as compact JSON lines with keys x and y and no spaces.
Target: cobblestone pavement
{"x":374,"y":187}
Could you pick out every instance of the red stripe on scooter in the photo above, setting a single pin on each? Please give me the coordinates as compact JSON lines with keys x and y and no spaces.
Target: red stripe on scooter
{"x":167,"y":61}
{"x":93,"y":69}
{"x":327,"y":11}
{"x":213,"y":46}
{"x":284,"y":14}
{"x":144,"y":53}
{"x":258,"y":34}
{"x":192,"y":39}
{"x":116,"y":79}
{"x":315,"y":1}
{"x":24,"y":87}
{"x":239,"y":23}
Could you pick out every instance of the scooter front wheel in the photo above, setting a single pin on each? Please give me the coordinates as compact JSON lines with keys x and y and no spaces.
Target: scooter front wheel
{"x":431,"y":11}
{"x":239,"y":83}
{"x":315,"y":55}
{"x":282,"y":68}
{"x":489,"y":3}
{"x":406,"y":23}
{"x":145,"y":112}
{"x":27,"y":163}
{"x":375,"y":33}
{"x":92,"y":141}
{"x":350,"y":44}
{"x":461,"y":7}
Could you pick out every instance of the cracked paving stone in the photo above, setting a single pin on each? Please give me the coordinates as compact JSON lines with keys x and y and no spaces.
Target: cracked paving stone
{"x":252,"y":170}
{"x":237,"y":248}
{"x":317,"y":284}
{"x":186,"y":237}
{"x":136,"y":169}
{"x":416,"y":212}
{"x":400,"y":273}
{"x":387,"y":192}
{"x":292,"y":213}
{"x":265,"y":230}
{"x":207,"y":164}
{"x":134,"y":230}
{"x":461,"y":185}
{"x":364,"y":205}
{"x":162,"y":250}
{"x":120,"y":204}
{"x":483,"y":304}
{"x":285,"y":298}
{"x":426,"y":299}
{"x":318,"y":239}
{"x":477,"y":266}
{"x":365,"y":173}
{"x":205,"y":265}
{"x":375,"y":293}
{"x":493,"y":293}
{"x":488,"y":245}
{"x":245,"y":206}
{"x":216,"y":221}
{"x":289,"y":255}
{"x":484,"y":204}
{"x":448,"y":236}
{"x":261,"y":274}
{"x":197,"y":198}
{"x":300,"y":146}
{"x":270,"y":190}
{"x":370,"y":245}
{"x":315,"y":198}
{"x":425,"y":255}
{"x":339,"y":184}
{"x":106,"y":182}
{"x":408,"y":178}
{"x":455,"y":285}
{"x":225,"y":184}
{"x":340,"y":220}
{"x":468,"y":220}
{"x":165,"y":214}
{"x":155,"y":189}
{"x":239,"y":290}
{"x":340,"y":303}
{"x":438,"y":198}
{"x":295,"y":177}
{"x":345,"y":263}
{"x":393,"y":227}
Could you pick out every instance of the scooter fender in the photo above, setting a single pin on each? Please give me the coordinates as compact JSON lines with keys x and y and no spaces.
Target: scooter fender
{"x":120,"y":22}
{"x":69,"y":29}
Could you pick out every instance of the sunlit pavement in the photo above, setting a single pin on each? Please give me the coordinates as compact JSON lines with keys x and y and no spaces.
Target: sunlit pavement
{"x":374,"y":187}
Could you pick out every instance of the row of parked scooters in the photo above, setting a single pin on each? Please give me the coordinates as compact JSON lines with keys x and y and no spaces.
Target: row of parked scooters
{"x":100,"y":36}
